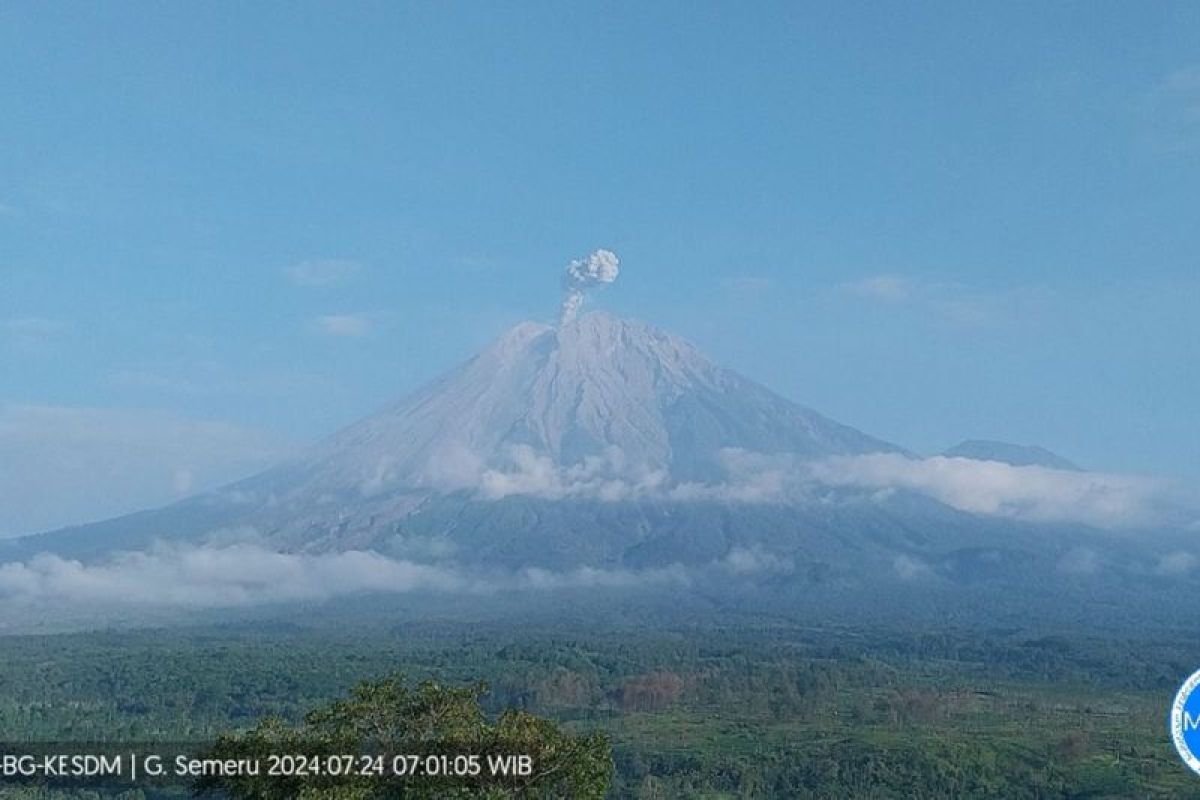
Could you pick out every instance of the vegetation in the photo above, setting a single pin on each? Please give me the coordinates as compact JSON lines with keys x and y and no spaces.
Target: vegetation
{"x":387,"y":727}
{"x":707,"y":711}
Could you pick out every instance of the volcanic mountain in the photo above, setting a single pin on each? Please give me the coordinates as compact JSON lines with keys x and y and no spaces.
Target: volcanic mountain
{"x":598,"y":388}
{"x":597,"y":409}
{"x":607,"y":443}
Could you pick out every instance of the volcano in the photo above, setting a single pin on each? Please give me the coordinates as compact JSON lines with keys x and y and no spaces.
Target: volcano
{"x":599,"y":389}
{"x":608,"y":443}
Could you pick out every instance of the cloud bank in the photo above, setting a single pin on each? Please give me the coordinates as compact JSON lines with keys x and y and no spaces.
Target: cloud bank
{"x":991,"y":488}
{"x":247,"y":574}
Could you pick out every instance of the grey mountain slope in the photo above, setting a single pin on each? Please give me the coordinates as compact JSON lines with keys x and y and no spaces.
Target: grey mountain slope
{"x":1017,"y":455}
{"x":601,"y":390}
{"x":406,"y":481}
{"x":595,"y":386}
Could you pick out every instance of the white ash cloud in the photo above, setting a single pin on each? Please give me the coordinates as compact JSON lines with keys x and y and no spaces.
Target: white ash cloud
{"x":601,"y":267}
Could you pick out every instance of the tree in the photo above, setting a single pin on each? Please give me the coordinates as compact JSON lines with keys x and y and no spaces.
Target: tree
{"x":388,"y":719}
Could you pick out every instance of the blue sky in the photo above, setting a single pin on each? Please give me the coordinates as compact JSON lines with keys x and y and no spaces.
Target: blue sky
{"x":930,"y":221}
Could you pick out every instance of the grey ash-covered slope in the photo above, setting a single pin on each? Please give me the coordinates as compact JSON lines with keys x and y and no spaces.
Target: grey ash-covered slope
{"x":596,"y":385}
{"x":599,"y":389}
{"x":622,"y":398}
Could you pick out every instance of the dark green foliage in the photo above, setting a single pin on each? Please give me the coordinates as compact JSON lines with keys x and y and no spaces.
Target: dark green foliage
{"x":773,"y":710}
{"x":388,"y":718}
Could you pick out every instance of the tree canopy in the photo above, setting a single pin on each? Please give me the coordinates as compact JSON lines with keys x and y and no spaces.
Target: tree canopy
{"x":446,"y":744}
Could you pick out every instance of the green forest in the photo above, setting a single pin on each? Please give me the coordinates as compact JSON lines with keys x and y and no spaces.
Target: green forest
{"x":708,"y":711}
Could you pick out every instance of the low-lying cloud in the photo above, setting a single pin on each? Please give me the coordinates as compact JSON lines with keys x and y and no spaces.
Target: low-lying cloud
{"x":208,"y":576}
{"x":250,"y":574}
{"x":997,"y":489}
{"x":991,"y":488}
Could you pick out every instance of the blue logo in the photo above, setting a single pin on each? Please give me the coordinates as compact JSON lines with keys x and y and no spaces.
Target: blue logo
{"x":1185,"y":722}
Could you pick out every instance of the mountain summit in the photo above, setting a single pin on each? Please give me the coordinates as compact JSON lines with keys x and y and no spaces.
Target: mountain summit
{"x":608,"y":443}
{"x":599,"y":402}
{"x":1017,"y":455}
{"x":599,"y":390}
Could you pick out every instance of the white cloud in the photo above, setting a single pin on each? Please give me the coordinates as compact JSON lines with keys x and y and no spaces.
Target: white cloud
{"x":993,"y":488}
{"x":750,"y":478}
{"x":348,"y":325}
{"x":216,"y":576}
{"x":66,"y":465}
{"x":604,"y":477}
{"x":326,"y":272}
{"x":247,"y":574}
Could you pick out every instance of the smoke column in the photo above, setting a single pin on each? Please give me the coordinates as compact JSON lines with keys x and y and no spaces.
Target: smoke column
{"x":600,"y":267}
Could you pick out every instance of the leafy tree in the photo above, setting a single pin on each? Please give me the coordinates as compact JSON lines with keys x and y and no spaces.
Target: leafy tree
{"x":389,"y":718}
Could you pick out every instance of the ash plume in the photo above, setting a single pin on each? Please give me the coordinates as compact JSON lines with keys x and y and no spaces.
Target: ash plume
{"x":602,"y":266}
